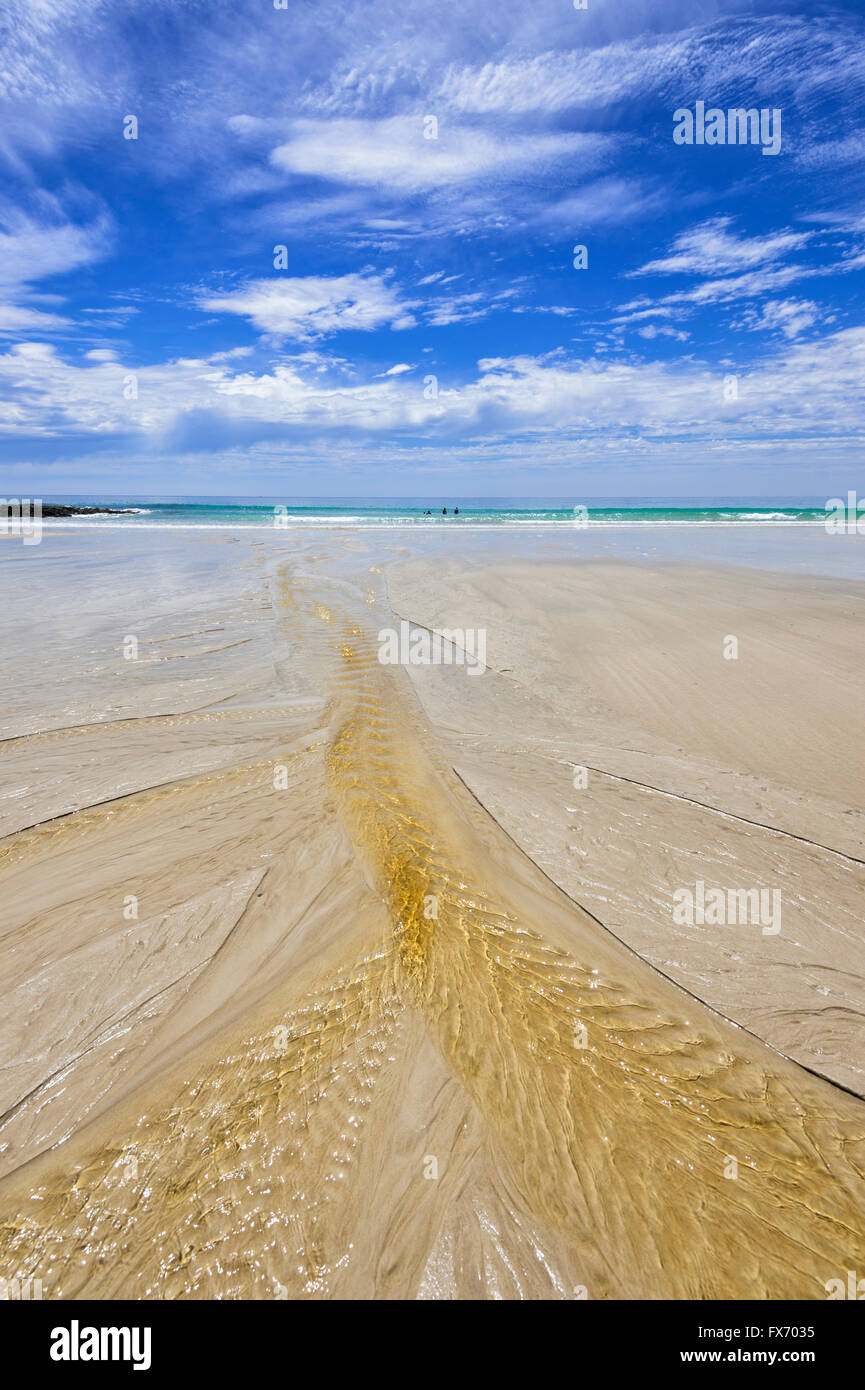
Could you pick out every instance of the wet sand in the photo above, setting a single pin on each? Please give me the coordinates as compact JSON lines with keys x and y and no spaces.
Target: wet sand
{"x":326,"y":978}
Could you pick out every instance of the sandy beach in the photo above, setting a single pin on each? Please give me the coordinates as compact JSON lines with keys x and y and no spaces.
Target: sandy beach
{"x":330,"y":978}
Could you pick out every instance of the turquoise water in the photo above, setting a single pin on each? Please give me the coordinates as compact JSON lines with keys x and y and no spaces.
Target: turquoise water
{"x":277,"y":513}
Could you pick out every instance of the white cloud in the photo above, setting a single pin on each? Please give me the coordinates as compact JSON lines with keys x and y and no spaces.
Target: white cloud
{"x":652,"y":311}
{"x":211,"y":406}
{"x":746,"y":286}
{"x":832,"y":153}
{"x":662,"y":330}
{"x":562,"y":311}
{"x":562,"y":81}
{"x":712,"y":249}
{"x":605,"y":202}
{"x":795,"y":57}
{"x":17,"y":319}
{"x":394,"y":153}
{"x":459,"y":308}
{"x":32,"y":250}
{"x":314,"y":306}
{"x":790,"y":317}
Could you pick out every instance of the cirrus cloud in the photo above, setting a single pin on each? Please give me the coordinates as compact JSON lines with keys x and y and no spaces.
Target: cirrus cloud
{"x":395,"y":154}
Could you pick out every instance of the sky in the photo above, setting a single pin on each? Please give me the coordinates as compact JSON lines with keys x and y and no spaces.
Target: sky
{"x":329,"y":249}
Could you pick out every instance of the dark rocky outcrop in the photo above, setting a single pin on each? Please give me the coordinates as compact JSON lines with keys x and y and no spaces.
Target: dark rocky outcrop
{"x":52,"y":509}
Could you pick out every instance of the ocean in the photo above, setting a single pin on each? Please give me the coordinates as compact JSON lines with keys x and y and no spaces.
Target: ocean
{"x":229,"y":513}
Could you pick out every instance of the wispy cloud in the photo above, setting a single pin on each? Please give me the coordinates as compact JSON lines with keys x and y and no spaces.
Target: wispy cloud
{"x":33,"y":250}
{"x":663,"y":330}
{"x":306,"y":127}
{"x":314,"y":306}
{"x":789,"y":317}
{"x":713,"y":249}
{"x":606,"y":202}
{"x":748,"y":57}
{"x":396,"y":154}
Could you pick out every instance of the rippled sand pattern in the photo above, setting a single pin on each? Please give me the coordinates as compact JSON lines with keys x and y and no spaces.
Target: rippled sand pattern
{"x":606,"y":1103}
{"x":618,"y":1135}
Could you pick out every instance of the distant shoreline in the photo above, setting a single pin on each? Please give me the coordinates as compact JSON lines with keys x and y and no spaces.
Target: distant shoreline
{"x":392,"y":513}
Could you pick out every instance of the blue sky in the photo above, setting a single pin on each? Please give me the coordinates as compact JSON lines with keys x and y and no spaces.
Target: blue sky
{"x":149,"y":344}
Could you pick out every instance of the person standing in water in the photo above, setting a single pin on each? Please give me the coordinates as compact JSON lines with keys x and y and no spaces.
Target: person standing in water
{"x":444,"y":511}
